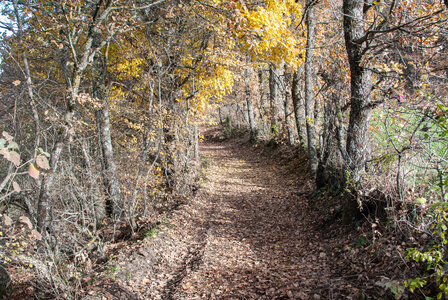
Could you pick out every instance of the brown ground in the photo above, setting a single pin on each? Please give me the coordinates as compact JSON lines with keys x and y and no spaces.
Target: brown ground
{"x":247,"y":234}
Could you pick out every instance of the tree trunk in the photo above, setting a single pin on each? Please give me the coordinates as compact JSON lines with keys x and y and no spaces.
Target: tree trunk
{"x":274,"y":96}
{"x":289,"y":126}
{"x":309,"y":88}
{"x":262,"y":104}
{"x":196,"y":142}
{"x":109,"y":169}
{"x":250,"y":109}
{"x":358,"y":144}
{"x":298,"y":105}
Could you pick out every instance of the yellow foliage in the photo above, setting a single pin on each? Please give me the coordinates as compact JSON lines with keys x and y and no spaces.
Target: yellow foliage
{"x":268,"y":32}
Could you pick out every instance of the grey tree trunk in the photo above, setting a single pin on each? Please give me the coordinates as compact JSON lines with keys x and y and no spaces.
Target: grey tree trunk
{"x":297,"y":102}
{"x":286,"y":102}
{"x":262,"y":104}
{"x":309,"y":91}
{"x":274,"y":97}
{"x":358,"y":144}
{"x":109,"y":169}
{"x":196,"y":142}
{"x":250,"y":109}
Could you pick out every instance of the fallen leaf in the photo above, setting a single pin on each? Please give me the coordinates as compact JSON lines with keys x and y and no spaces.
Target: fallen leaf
{"x":7,"y":220}
{"x":16,"y":187}
{"x":35,"y":234}
{"x":25,"y":220}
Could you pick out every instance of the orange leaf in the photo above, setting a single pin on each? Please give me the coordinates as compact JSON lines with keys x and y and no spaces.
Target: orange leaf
{"x":33,"y":171}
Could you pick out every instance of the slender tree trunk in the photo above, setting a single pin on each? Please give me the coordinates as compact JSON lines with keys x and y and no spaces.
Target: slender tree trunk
{"x":358,"y":144}
{"x":196,"y":142}
{"x":28,"y":79}
{"x":309,"y":88}
{"x":286,"y":102}
{"x":109,"y":169}
{"x":250,"y":109}
{"x":273,"y":97}
{"x":298,"y":105}
{"x":262,"y":104}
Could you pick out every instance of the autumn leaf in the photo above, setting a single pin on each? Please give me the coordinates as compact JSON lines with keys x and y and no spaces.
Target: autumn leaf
{"x":16,"y":187}
{"x":42,"y":162}
{"x":13,"y":157}
{"x":33,"y":171}
{"x":7,"y":220}
{"x":7,"y":136}
{"x":25,"y":220}
{"x":16,"y":82}
{"x":35,"y":234}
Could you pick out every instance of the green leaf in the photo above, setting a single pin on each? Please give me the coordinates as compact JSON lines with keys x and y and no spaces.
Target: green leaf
{"x":420,"y":201}
{"x":13,"y":145}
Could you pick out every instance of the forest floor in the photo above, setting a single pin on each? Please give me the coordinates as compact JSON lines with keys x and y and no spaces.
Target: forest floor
{"x":248,"y":233}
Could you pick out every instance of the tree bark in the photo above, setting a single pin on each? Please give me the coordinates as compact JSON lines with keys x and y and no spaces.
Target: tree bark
{"x":262,"y":104}
{"x":309,"y":88}
{"x":274,"y":96}
{"x":196,"y":142}
{"x":109,"y":169}
{"x":358,"y":143}
{"x":298,"y":105}
{"x":286,"y":102}
{"x":250,"y":109}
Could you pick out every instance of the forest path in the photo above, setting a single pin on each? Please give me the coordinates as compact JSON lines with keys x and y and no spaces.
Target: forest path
{"x":245,"y":235}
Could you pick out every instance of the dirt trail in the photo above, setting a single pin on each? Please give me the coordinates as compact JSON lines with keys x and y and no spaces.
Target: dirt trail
{"x":246,"y":235}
